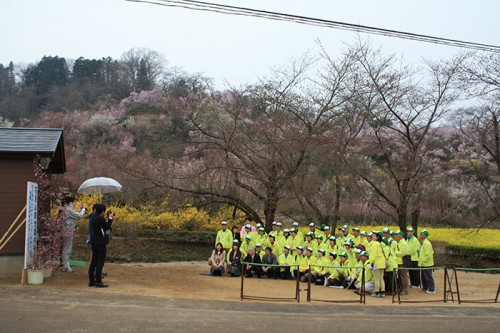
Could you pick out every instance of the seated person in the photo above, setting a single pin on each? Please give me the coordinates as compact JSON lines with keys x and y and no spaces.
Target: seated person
{"x":234,"y":259}
{"x":369,"y":282}
{"x":286,"y":258}
{"x":250,"y":269}
{"x":270,"y":259}
{"x":217,"y":261}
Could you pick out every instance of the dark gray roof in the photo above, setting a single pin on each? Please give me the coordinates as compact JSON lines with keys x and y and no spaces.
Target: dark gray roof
{"x":18,"y":142}
{"x":29,"y":140}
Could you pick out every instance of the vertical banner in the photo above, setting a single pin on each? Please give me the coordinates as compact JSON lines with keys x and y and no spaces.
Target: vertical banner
{"x":31,"y":223}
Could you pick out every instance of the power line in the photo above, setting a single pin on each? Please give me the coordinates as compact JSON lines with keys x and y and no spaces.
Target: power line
{"x":242,"y":11}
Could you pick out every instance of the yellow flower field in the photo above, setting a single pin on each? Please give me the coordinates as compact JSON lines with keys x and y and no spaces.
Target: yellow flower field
{"x":456,"y":236}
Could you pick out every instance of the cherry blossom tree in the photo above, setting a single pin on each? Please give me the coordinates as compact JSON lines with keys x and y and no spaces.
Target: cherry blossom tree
{"x":395,"y":149}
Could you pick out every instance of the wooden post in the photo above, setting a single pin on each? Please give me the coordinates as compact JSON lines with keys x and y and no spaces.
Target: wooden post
{"x":23,"y":276}
{"x":242,"y":278}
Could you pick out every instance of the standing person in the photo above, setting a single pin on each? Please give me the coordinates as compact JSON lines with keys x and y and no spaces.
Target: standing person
{"x":234,"y":259}
{"x":426,"y":260}
{"x":235,"y":230}
{"x":295,"y":225}
{"x":224,"y":237}
{"x":403,"y":255}
{"x":377,"y":259}
{"x":69,"y":218}
{"x":217,"y":260}
{"x":414,"y":246}
{"x":99,"y":228}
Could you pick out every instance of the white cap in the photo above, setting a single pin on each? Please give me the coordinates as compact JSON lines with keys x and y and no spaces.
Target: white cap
{"x":295,"y":224}
{"x":248,"y":237}
{"x":258,"y":245}
{"x":248,"y":226}
{"x":278,"y":224}
{"x":224,"y":223}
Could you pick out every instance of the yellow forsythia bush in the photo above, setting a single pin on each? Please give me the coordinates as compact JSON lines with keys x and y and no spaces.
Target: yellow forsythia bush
{"x":162,"y":216}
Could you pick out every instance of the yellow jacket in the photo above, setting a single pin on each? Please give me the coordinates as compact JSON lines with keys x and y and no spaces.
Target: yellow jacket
{"x":377,"y":255}
{"x":426,"y":254}
{"x":245,"y":246}
{"x":414,"y":246}
{"x":368,"y":272}
{"x":288,"y":260}
{"x":350,"y":268}
{"x":391,"y":257}
{"x":334,"y":272}
{"x":305,"y":262}
{"x":225,"y":237}
{"x":323,"y":261}
{"x":402,"y":249}
{"x":294,"y":242}
{"x":277,"y":248}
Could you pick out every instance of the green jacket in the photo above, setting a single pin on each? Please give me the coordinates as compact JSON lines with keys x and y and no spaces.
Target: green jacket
{"x":426,"y":254}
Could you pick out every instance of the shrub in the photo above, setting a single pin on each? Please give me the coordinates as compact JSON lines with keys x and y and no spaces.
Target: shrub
{"x":470,"y":251}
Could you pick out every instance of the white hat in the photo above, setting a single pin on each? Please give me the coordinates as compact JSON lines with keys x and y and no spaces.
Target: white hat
{"x":278,"y":224}
{"x":258,"y":225}
{"x":248,"y":226}
{"x":274,"y":223}
{"x":258,"y":245}
{"x":248,"y":237}
{"x":286,"y":230}
{"x":295,"y":224}
{"x":224,"y":223}
{"x":326,"y":227}
{"x":311,"y":224}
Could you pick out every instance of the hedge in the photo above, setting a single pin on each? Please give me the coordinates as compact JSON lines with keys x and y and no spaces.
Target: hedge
{"x":470,"y":251}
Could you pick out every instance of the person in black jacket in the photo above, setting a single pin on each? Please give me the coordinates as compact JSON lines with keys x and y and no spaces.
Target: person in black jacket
{"x":99,"y":226}
{"x":252,"y":257}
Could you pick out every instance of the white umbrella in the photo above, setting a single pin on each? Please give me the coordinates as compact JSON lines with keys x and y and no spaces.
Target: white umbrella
{"x":99,"y":185}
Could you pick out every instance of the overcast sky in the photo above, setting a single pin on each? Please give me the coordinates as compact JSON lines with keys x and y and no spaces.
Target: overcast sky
{"x":233,"y":48}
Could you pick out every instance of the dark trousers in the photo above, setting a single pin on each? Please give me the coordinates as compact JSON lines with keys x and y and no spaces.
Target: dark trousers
{"x":286,"y":274}
{"x":415,"y":274}
{"x":254,"y":269}
{"x":97,"y":263}
{"x":428,"y":280}
{"x":389,"y":282}
{"x":273,"y":272}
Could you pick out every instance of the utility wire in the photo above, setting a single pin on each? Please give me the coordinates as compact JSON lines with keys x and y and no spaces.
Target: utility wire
{"x":242,"y":11}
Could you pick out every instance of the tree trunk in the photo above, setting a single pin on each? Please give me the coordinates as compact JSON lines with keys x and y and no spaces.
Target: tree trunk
{"x":402,"y":216}
{"x":336,"y":207}
{"x":270,"y":206}
{"x":414,"y":220}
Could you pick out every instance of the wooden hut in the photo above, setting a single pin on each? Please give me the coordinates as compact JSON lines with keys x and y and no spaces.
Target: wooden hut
{"x":19,"y":149}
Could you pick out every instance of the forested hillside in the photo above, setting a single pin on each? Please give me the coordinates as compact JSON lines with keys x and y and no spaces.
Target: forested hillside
{"x":359,"y":135}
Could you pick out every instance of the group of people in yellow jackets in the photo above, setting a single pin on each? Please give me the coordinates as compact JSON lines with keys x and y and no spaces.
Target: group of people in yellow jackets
{"x":329,"y":259}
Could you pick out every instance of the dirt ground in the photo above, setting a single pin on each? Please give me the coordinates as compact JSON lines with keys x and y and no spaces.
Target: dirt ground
{"x":190,"y":280}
